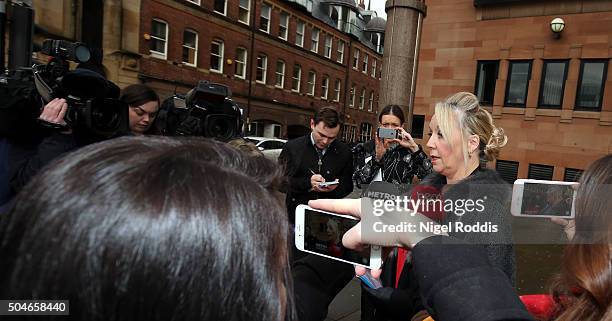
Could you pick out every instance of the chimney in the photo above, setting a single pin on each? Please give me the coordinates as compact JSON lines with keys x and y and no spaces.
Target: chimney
{"x":361,"y":4}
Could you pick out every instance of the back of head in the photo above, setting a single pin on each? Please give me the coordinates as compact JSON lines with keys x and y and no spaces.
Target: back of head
{"x":463,"y":110}
{"x":328,"y":115}
{"x":139,"y":228}
{"x":586,"y":279}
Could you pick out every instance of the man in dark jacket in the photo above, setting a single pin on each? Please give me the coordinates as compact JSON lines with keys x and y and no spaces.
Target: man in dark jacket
{"x":317,"y":158}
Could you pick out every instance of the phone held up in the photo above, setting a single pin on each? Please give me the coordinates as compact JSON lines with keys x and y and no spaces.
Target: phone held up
{"x":539,"y":198}
{"x":320,"y":233}
{"x":388,"y":133}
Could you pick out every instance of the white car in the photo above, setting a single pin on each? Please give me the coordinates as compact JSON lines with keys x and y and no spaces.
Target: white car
{"x":270,"y":147}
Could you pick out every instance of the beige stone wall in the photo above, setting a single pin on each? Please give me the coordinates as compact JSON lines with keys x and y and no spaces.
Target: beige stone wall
{"x":454,"y":39}
{"x":56,"y":16}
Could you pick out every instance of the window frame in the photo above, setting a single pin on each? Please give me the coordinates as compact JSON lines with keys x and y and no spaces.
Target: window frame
{"x":264,"y":68}
{"x":337,"y":89}
{"x":195,"y":49}
{"x":478,"y":64}
{"x":197,"y":2}
{"x":224,"y":8}
{"x":371,"y":101}
{"x":362,"y":99}
{"x":314,"y":41}
{"x":329,"y":46}
{"x":311,"y":86}
{"x":157,"y":54}
{"x":356,"y":54}
{"x":340,"y":51}
{"x":602,"y":88}
{"x":325,"y":87}
{"x":301,"y":34}
{"x":244,"y":63}
{"x":366,"y":60}
{"x":298,"y":79}
{"x":269,"y":18}
{"x":374,"y":67}
{"x":248,"y":10}
{"x":542,"y":81}
{"x":509,"y":81}
{"x":282,"y":75}
{"x":352,"y":98}
{"x":221,"y":56}
{"x":286,"y":26}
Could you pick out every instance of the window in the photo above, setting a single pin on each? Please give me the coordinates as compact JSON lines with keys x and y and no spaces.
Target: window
{"x":283,"y":25}
{"x":572,"y":175}
{"x":216,"y":56}
{"x":418,"y":123}
{"x":324,"y":87}
{"x":554,"y":74}
{"x":374,"y":63}
{"x":353,"y":133}
{"x":362,"y":98}
{"x":542,"y":172}
{"x":340,"y":53}
{"x":328,"y":46}
{"x":486,"y":75}
{"x":364,"y":68}
{"x":280,"y":74}
{"x":299,"y":33}
{"x":256,"y":129}
{"x":220,"y":6}
{"x":190,"y":48}
{"x":264,"y":18}
{"x":297,"y":78}
{"x":356,"y":58}
{"x":244,"y":10}
{"x":262,"y":69}
{"x":352,"y":101}
{"x":241,"y":63}
{"x":314,"y":45}
{"x":312,"y":81}
{"x":519,"y":73}
{"x":591,"y":84}
{"x":508,"y":170}
{"x":159,"y":39}
{"x":371,"y":102}
{"x":337,"y":89}
{"x":366,"y":132}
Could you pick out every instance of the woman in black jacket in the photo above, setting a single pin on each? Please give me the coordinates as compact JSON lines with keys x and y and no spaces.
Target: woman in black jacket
{"x":392,"y":160}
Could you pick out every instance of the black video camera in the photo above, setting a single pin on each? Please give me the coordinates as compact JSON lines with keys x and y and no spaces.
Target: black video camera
{"x":205,"y":110}
{"x":93,"y":105}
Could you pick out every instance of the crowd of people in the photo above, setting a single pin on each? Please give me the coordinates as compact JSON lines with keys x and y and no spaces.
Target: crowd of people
{"x":147,"y":227}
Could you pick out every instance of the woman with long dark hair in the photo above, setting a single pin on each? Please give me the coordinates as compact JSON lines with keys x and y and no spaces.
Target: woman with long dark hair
{"x":143,"y":107}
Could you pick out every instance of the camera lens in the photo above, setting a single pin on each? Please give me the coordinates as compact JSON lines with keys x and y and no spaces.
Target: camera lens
{"x":220,"y":126}
{"x":105,"y":114}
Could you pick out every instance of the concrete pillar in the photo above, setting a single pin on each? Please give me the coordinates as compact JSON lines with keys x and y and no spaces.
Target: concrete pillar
{"x":400,"y":57}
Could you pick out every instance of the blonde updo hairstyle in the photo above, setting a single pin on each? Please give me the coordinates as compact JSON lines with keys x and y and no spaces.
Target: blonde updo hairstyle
{"x":463,"y":110}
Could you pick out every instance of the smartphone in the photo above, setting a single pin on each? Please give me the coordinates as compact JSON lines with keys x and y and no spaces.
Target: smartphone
{"x":388,"y":133}
{"x":538,"y":198}
{"x":326,"y":184}
{"x":320,"y":233}
{"x":370,"y":281}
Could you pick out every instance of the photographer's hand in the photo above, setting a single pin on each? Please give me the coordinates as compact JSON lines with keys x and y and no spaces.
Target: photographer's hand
{"x":407,"y":141}
{"x":54,"y":112}
{"x":380,"y":148}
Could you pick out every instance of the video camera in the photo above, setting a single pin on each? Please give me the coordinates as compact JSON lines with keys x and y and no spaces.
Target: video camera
{"x":93,"y":104}
{"x":205,"y":110}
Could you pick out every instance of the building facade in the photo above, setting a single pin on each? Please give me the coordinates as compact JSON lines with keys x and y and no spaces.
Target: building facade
{"x":552,"y":94}
{"x":281,"y":59}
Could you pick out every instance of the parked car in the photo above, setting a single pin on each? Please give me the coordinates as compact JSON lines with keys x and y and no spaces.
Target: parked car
{"x":270,"y":147}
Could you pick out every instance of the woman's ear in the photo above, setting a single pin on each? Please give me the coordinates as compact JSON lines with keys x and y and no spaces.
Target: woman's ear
{"x":473,"y":143}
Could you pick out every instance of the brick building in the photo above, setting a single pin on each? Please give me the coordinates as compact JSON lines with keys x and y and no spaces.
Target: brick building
{"x":281,"y":59}
{"x":552,"y":95}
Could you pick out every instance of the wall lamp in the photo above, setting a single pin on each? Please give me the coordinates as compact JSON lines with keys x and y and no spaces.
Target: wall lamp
{"x":556,"y":26}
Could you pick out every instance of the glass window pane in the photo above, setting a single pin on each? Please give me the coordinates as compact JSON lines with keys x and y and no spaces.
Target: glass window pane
{"x":486,"y":78}
{"x":590,"y":87}
{"x":552,"y":84}
{"x":158,"y":29}
{"x":517,"y":84}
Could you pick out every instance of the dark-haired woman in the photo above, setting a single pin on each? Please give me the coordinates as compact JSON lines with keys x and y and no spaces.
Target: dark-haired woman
{"x":392,"y":160}
{"x":143,"y":105}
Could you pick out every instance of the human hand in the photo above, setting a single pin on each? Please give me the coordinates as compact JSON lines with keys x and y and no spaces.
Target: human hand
{"x":406,"y":141}
{"x":54,"y":112}
{"x":315,"y":180}
{"x":380,"y":147}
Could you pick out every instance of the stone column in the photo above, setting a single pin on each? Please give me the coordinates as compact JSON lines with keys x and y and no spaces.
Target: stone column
{"x":400,"y":57}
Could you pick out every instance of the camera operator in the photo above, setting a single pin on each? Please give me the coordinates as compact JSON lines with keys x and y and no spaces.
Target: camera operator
{"x":143,"y":105}
{"x":395,"y":161}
